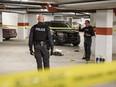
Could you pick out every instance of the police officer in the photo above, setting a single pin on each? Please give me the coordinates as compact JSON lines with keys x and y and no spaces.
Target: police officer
{"x":41,"y":38}
{"x":88,"y":33}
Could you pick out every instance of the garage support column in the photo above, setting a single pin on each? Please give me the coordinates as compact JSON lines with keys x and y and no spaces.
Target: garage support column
{"x":114,"y":33}
{"x":93,"y":23}
{"x":1,"y":33}
{"x":93,"y":19}
{"x":32,"y":19}
{"x":22,"y":23}
{"x":104,"y":24}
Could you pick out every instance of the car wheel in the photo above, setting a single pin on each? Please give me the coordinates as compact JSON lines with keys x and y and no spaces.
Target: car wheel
{"x":7,"y":38}
{"x":76,"y":44}
{"x":78,"y":41}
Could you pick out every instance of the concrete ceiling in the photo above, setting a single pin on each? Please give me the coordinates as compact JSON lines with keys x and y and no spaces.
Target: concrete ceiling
{"x":91,"y":5}
{"x":75,"y":6}
{"x":53,"y":1}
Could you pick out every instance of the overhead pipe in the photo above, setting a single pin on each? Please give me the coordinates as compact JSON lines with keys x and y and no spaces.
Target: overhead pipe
{"x":27,"y":2}
{"x":51,"y":12}
{"x":78,"y":11}
{"x":17,"y":8}
{"x":80,"y":1}
{"x":12,"y":11}
{"x":74,"y":11}
{"x":57,"y":13}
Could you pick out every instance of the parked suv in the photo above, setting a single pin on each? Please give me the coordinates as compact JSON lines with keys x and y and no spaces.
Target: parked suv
{"x":9,"y":33}
{"x":63,"y":33}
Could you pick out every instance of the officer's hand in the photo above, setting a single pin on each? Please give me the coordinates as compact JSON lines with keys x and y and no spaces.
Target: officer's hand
{"x":31,"y":52}
{"x":51,"y":52}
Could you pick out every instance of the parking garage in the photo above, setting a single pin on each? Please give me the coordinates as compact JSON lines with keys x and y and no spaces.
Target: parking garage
{"x":63,"y":17}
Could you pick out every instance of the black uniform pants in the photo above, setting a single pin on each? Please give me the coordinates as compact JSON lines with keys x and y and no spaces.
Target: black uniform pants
{"x":42,"y":56}
{"x":87,"y":46}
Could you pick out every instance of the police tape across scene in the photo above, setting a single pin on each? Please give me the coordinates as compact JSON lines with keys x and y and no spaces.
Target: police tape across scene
{"x":73,"y":76}
{"x":59,"y":28}
{"x":52,"y":28}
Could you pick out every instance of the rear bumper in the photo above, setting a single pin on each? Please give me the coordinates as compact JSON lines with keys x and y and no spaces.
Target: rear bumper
{"x":10,"y":35}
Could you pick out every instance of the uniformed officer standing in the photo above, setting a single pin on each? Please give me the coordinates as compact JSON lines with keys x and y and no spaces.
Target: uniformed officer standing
{"x":41,"y":38}
{"x":88,"y":33}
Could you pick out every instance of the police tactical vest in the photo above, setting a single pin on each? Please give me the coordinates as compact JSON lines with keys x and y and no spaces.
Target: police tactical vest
{"x":88,"y":31}
{"x":40,"y":33}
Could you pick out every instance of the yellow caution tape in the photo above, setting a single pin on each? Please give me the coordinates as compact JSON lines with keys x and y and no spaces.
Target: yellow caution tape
{"x":15,"y":26}
{"x":53,"y":28}
{"x":114,"y":30}
{"x":73,"y":76}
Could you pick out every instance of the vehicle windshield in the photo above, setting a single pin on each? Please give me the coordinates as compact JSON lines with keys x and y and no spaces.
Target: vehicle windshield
{"x":59,"y":24}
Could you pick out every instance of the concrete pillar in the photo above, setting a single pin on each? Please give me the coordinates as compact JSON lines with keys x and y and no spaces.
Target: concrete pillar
{"x":114,"y":34}
{"x":22,"y":22}
{"x":93,"y":23}
{"x":104,"y":23}
{"x":93,"y":19}
{"x":27,"y":24}
{"x":1,"y":33}
{"x":32,"y":19}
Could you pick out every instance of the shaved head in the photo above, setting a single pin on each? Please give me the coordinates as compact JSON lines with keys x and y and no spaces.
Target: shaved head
{"x":40,"y":18}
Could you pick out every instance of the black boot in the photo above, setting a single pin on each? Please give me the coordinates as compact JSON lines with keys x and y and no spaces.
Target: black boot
{"x":84,"y":58}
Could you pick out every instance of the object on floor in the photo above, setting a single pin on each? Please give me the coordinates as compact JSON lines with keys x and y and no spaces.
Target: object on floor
{"x":100,"y":60}
{"x":72,"y":60}
{"x":76,"y":50}
{"x":84,"y":58}
{"x":56,"y":53}
{"x":57,"y":50}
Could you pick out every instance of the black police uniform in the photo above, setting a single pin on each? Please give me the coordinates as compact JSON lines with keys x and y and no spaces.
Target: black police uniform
{"x":88,"y":33}
{"x":41,"y":38}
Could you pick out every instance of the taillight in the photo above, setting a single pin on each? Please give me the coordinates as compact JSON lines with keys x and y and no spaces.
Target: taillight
{"x":8,"y":31}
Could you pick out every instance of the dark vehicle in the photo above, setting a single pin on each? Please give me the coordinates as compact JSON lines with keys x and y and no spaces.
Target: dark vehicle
{"x":63,"y":33}
{"x":9,"y":33}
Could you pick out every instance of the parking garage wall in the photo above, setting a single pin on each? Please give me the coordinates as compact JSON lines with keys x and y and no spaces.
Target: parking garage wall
{"x":9,"y":18}
{"x":1,"y":34}
{"x":114,"y":34}
{"x":48,"y":17}
{"x":93,"y":23}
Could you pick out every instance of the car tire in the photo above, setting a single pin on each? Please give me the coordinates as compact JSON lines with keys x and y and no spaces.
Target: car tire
{"x":7,"y":38}
{"x":78,"y":41}
{"x":76,"y":44}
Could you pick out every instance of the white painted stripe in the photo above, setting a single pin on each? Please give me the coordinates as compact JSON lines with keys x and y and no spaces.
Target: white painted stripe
{"x":104,"y":46}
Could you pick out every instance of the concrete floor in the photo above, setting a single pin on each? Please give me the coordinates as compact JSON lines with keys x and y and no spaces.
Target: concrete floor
{"x":14,"y":56}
